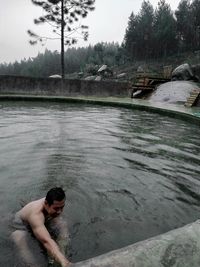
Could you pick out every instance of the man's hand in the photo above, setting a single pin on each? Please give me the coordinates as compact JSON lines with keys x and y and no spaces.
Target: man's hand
{"x":42,"y":234}
{"x":67,"y":264}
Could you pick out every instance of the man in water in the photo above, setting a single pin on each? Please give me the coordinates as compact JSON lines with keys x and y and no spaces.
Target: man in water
{"x":33,"y":221}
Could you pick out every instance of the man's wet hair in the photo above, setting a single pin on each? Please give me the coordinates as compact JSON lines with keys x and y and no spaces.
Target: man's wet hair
{"x":55,"y":194}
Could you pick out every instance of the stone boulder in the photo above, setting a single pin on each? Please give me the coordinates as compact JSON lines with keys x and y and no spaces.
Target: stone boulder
{"x":183,"y":72}
{"x":55,"y":76}
{"x":90,"y":78}
{"x":121,"y":75}
{"x":105,"y":71}
{"x":103,"y":68}
{"x":98,"y":78}
{"x":196,"y":71}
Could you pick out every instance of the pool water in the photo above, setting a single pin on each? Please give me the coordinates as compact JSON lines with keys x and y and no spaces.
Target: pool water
{"x":128,"y":175}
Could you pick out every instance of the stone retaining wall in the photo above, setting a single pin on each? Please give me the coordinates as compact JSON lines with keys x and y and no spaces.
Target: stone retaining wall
{"x":55,"y":87}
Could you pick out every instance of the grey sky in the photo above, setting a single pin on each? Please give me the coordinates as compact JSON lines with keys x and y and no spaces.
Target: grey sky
{"x":106,"y":24}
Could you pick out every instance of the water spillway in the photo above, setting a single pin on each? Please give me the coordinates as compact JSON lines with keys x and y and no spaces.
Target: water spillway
{"x":129,"y":175}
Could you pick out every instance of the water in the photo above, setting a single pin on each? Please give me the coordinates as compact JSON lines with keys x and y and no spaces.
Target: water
{"x":128,"y":174}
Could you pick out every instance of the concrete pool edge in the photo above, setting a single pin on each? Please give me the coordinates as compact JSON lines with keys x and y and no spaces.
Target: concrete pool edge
{"x":179,"y":247}
{"x":171,"y":110}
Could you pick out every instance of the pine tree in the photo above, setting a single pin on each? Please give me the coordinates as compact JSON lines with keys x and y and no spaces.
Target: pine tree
{"x":131,"y":36}
{"x":195,"y":11}
{"x":145,"y":30}
{"x":62,"y":15}
{"x":164,"y":30}
{"x":184,"y":25}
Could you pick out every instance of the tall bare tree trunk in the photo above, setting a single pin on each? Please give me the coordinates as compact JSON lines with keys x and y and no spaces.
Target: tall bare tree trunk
{"x":62,"y":40}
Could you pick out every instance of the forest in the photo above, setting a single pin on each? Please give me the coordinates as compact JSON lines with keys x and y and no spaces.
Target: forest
{"x":151,"y":34}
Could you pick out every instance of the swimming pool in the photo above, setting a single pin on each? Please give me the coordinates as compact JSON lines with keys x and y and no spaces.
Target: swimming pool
{"x":128,"y":174}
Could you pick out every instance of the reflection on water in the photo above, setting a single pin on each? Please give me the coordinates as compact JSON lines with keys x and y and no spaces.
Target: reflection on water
{"x":128,"y":174}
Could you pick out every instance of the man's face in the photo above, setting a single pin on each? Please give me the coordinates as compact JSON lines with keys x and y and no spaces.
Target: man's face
{"x":56,"y":208}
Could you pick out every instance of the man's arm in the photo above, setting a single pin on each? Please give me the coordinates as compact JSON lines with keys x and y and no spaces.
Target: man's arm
{"x":62,"y":238}
{"x":41,"y":233}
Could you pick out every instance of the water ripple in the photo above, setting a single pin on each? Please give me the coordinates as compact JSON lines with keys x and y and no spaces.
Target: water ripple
{"x":128,"y":174}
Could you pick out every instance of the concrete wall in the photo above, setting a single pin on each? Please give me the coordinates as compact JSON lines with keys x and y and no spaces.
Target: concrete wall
{"x":54,"y":87}
{"x":177,"y":248}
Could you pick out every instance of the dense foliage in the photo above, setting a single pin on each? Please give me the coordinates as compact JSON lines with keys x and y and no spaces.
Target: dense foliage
{"x":150,"y":34}
{"x":161,"y":32}
{"x":76,"y":60}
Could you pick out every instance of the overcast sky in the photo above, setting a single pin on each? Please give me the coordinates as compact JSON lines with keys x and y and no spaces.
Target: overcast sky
{"x":106,"y":23}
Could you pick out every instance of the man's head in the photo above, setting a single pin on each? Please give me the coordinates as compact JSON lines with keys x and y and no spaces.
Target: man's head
{"x":55,"y":201}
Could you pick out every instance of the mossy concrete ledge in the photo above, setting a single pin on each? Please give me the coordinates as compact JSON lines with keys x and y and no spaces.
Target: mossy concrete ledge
{"x":179,"y":247}
{"x":177,"y":111}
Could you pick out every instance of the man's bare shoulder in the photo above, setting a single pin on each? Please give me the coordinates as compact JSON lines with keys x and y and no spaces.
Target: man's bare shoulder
{"x":36,"y":220}
{"x":33,"y":211}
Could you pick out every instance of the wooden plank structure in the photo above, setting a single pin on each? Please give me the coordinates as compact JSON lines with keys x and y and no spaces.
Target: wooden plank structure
{"x":192,"y":99}
{"x":167,"y":71}
{"x":147,"y":84}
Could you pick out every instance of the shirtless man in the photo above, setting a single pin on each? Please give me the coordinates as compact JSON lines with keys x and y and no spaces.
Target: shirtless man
{"x":33,"y":218}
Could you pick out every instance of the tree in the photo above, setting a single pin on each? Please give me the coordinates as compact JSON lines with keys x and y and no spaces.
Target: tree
{"x":99,"y":49}
{"x":195,"y":10}
{"x":139,"y":33}
{"x":164,"y":30}
{"x":145,"y":29}
{"x":131,"y":36}
{"x":61,"y":15}
{"x":184,"y":25}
